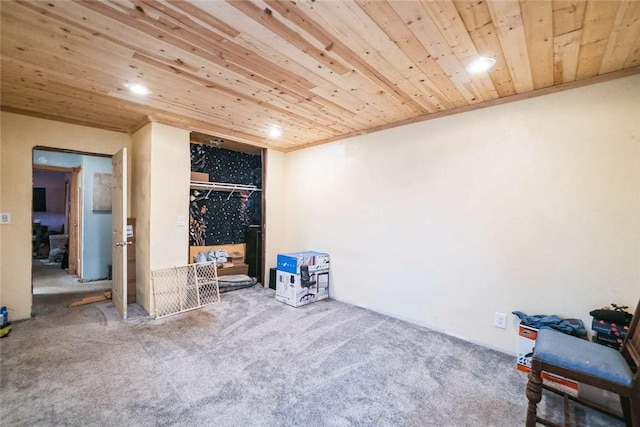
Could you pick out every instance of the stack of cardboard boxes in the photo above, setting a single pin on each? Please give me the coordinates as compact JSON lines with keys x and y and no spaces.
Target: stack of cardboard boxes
{"x":526,"y":342}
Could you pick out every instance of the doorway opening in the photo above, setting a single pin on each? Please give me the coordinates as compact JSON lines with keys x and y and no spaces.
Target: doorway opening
{"x":71,"y":239}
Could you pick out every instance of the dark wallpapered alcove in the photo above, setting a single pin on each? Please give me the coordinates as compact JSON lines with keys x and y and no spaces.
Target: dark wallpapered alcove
{"x":216,"y":220}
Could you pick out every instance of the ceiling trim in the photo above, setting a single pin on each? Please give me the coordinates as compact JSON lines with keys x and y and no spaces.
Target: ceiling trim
{"x":49,"y":168}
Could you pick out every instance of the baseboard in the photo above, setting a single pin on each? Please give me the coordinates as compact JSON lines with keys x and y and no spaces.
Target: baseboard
{"x":428,"y":326}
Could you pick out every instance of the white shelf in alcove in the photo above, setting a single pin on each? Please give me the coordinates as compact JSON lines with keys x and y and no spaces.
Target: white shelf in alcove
{"x":223,"y":186}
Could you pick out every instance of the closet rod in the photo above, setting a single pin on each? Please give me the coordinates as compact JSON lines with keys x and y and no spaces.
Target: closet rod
{"x":224,"y":186}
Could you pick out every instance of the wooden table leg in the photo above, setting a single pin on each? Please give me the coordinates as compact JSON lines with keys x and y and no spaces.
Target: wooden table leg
{"x":534,"y":393}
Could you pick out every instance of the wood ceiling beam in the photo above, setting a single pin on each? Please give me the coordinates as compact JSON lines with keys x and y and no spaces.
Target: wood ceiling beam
{"x":450,"y":24}
{"x":320,"y":70}
{"x":234,"y":52}
{"x":377,"y":50}
{"x":445,"y":93}
{"x":420,"y":23}
{"x":266,"y":18}
{"x":323,"y":102}
{"x":566,"y":49}
{"x":478,"y":22}
{"x":210,"y":85}
{"x":317,"y":117}
{"x":625,"y":35}
{"x":599,"y":18}
{"x":633,"y":60}
{"x":293,"y":13}
{"x":537,"y":17}
{"x":206,"y":18}
{"x":567,"y":16}
{"x":234,"y":57}
{"x":507,"y":19}
{"x":567,"y":29}
{"x":373,"y":45}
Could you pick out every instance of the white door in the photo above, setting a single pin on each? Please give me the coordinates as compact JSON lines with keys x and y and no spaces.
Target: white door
{"x":119,"y":224}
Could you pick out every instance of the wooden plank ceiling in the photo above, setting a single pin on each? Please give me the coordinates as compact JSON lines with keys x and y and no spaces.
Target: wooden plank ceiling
{"x":318,"y":70}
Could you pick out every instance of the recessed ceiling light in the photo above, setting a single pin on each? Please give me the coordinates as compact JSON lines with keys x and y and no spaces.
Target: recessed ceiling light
{"x":481,"y":65}
{"x":274,"y":132}
{"x":138,"y":89}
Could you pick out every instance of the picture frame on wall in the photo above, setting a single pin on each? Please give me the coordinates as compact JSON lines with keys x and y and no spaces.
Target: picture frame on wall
{"x":102,"y":192}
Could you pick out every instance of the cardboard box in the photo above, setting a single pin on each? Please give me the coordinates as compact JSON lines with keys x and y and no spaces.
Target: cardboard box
{"x":291,"y":262}
{"x":236,"y":269}
{"x":526,"y":342}
{"x":302,"y":278}
{"x":199,"y":176}
{"x":236,"y":258}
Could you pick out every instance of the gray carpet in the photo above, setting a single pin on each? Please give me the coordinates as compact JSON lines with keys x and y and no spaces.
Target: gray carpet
{"x":251,"y":361}
{"x":49,"y":278}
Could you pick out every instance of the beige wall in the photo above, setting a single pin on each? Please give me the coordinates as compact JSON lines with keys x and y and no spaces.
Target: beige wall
{"x":18,"y":135}
{"x":141,"y":211}
{"x":170,"y":175}
{"x":1,"y":210}
{"x":159,"y":168}
{"x":162,"y":164}
{"x":275,"y":212}
{"x":531,"y":206}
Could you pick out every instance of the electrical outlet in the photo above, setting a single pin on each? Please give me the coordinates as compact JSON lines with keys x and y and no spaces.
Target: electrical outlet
{"x":5,"y":218}
{"x":500,"y":320}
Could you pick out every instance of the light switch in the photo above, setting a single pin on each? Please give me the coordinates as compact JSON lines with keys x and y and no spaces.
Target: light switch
{"x":181,"y":220}
{"x":5,"y":218}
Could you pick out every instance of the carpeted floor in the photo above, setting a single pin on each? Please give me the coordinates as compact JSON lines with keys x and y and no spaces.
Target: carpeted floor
{"x":50,"y":279}
{"x":251,"y":361}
